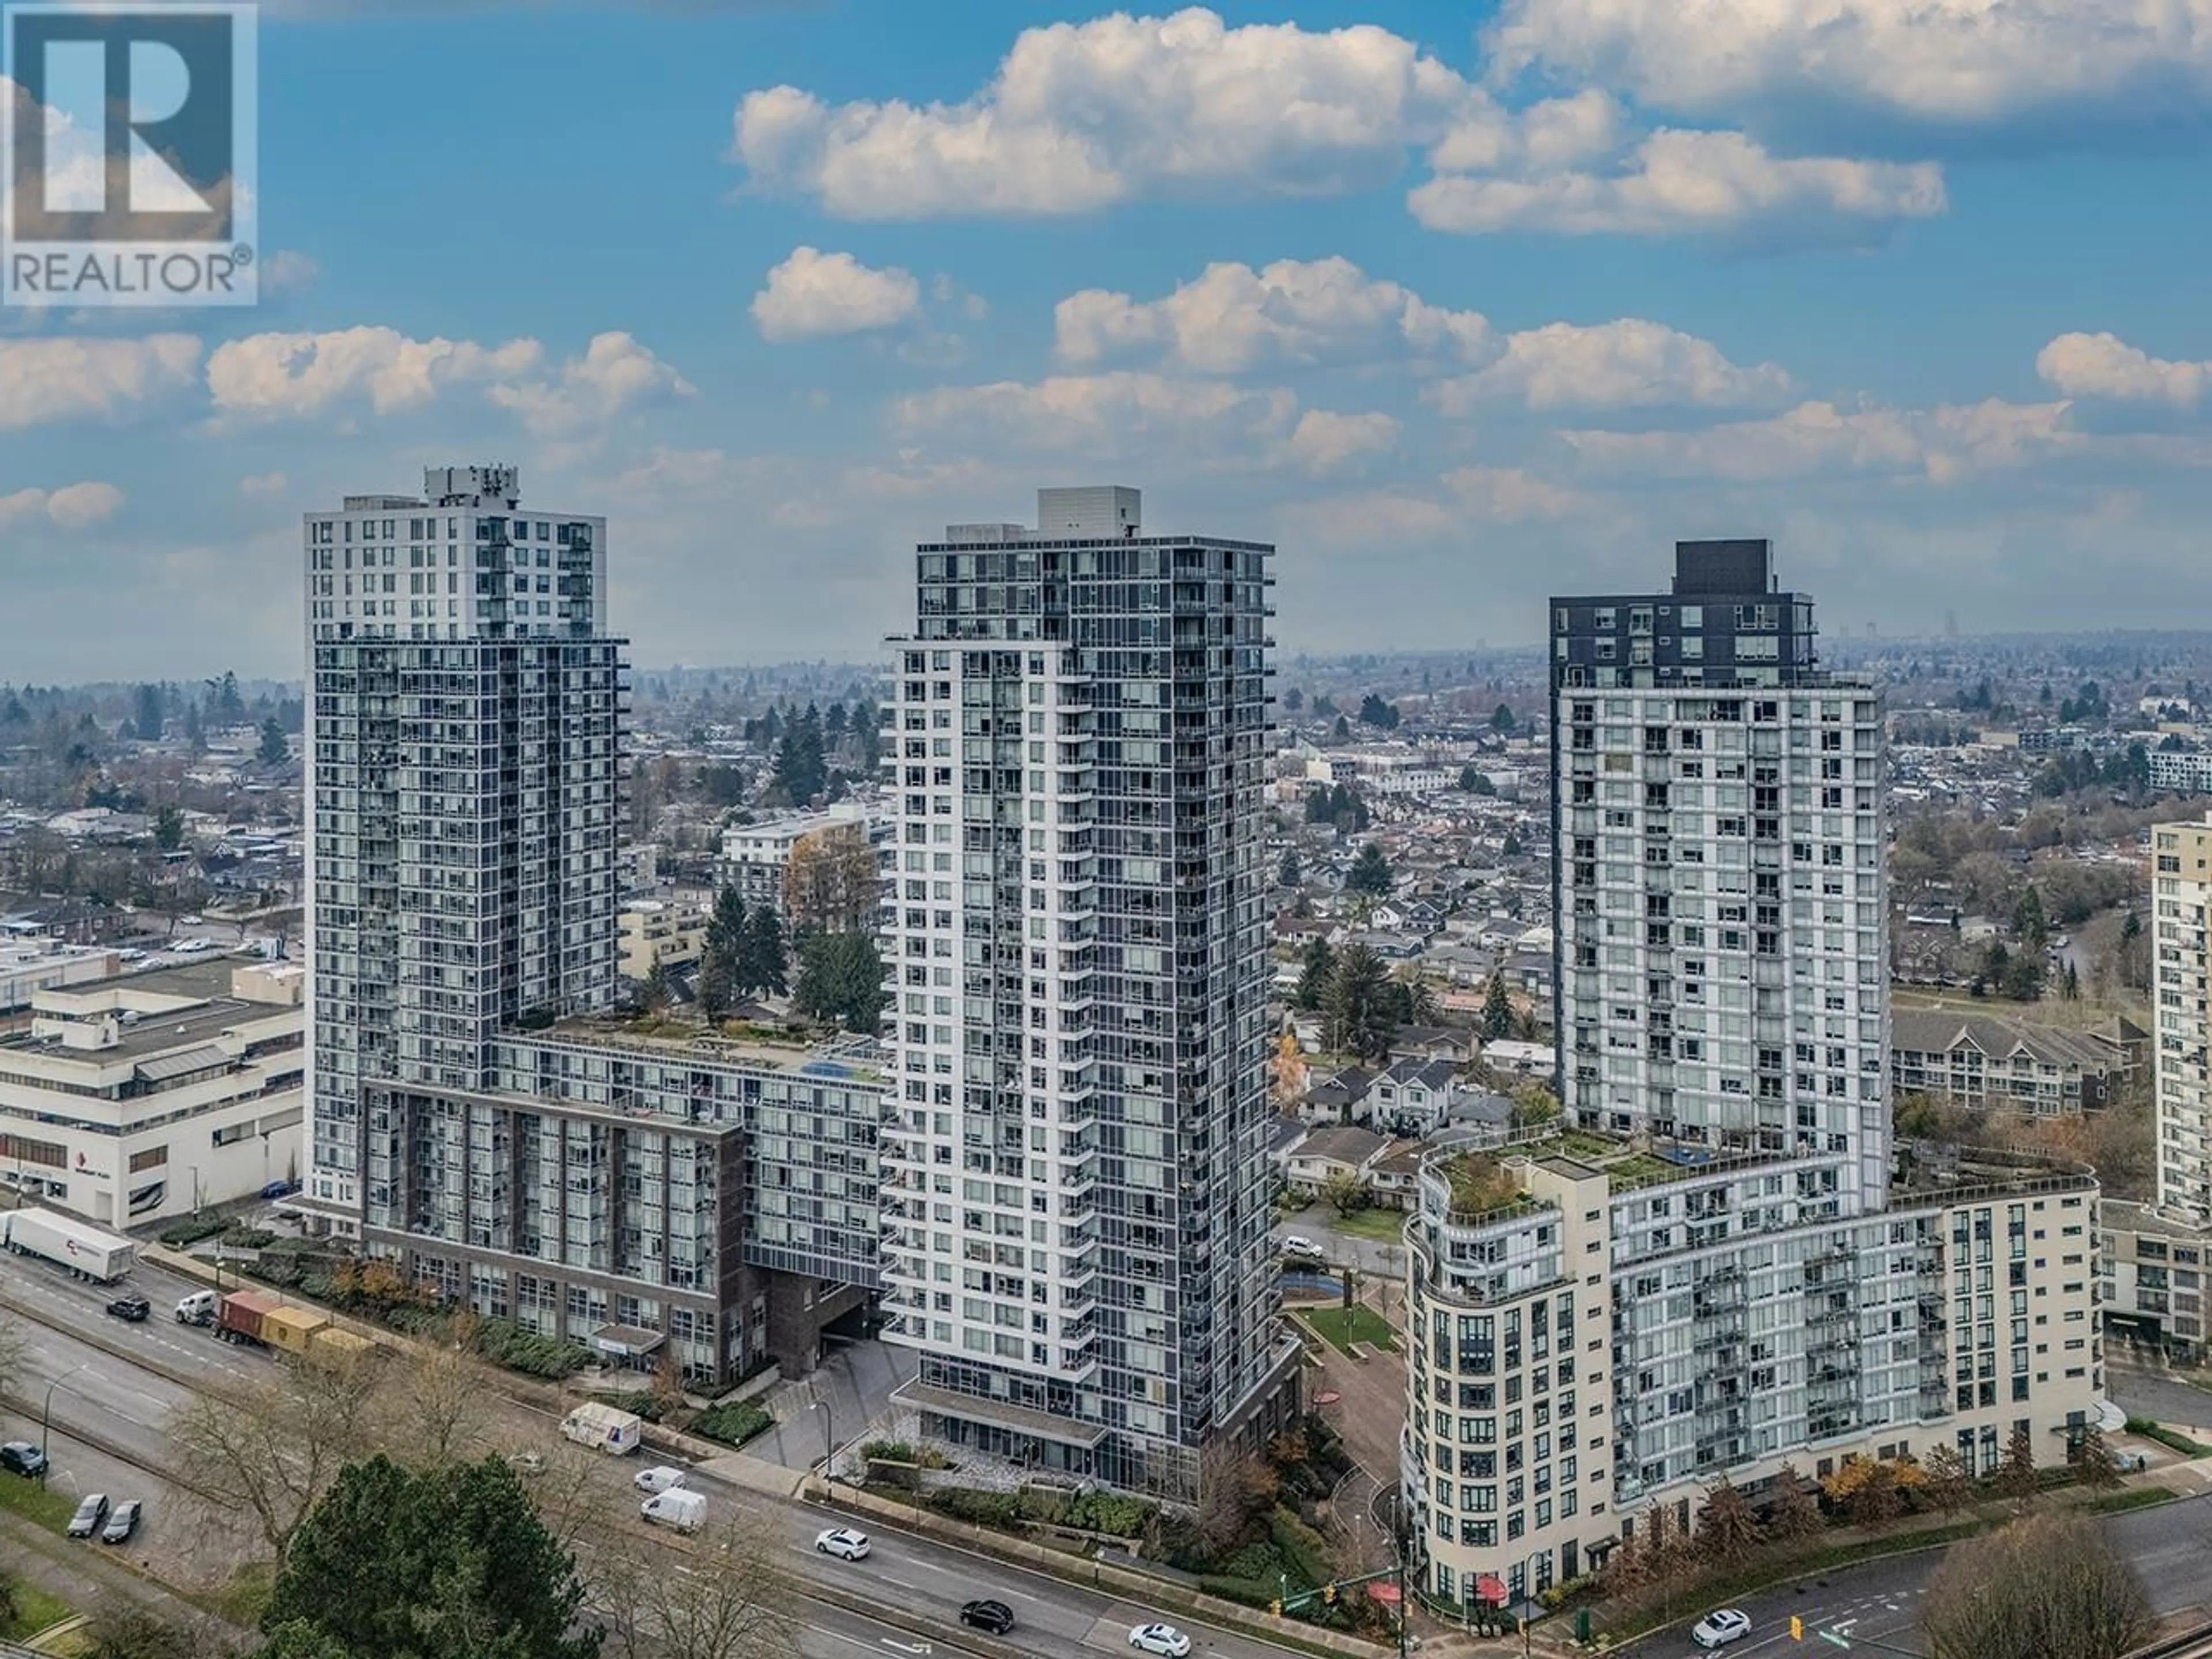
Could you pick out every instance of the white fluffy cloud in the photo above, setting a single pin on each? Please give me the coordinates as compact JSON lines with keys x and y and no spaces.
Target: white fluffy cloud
{"x":1232,"y":317}
{"x":1508,"y":494}
{"x":1324,"y":441}
{"x":813,"y":294}
{"x":276,"y":376}
{"x":1083,"y":115}
{"x":44,"y":380}
{"x":614,"y":377}
{"x":280,"y":376}
{"x":1937,"y":61}
{"x":2106,"y":366}
{"x":1627,"y":364}
{"x":1677,"y":181}
{"x":1945,"y":443}
{"x":73,"y":506}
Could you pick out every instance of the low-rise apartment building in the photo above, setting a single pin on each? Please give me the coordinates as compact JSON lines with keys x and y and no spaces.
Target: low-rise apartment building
{"x":132,"y":1100}
{"x":756,"y":855}
{"x":659,"y":933}
{"x":634,"y":1194}
{"x":1987,"y":1060}
{"x":2151,"y":1269}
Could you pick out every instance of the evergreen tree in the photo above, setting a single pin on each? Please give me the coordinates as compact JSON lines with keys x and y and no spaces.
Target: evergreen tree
{"x":1501,"y":719}
{"x":1288,"y":873}
{"x":274,"y":750}
{"x":1473,"y":781}
{"x":1341,"y":733}
{"x":841,"y":981}
{"x":1357,"y":1006}
{"x":760,"y":969}
{"x":1371,"y":872}
{"x":147,"y":722}
{"x":169,"y":828}
{"x":1375,"y":712}
{"x":1497,"y":1009}
{"x":1313,"y":981}
{"x":720,"y":962}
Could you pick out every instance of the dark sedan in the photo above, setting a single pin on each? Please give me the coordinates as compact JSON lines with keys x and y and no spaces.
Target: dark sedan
{"x":133,"y":1307}
{"x":88,"y":1517}
{"x":123,"y":1521}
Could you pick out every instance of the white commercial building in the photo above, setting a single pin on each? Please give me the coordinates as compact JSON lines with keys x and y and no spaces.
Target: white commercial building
{"x":136,"y":1099}
{"x":1714,"y":1275}
{"x":1075,"y":1181}
{"x":2188,"y":772}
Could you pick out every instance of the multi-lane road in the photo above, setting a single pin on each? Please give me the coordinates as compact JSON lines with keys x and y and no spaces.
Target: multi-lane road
{"x":122,"y":1384}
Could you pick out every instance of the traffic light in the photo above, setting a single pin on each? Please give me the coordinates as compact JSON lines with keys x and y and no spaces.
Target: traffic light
{"x":1328,"y":1595}
{"x":1796,"y":1628}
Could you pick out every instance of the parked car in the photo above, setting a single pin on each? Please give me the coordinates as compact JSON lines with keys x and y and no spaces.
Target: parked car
{"x":1303,"y":1249}
{"x":22,"y":1457}
{"x":528,"y":1463}
{"x":659,"y":1477}
{"x":124,"y":1521}
{"x":844,"y":1542}
{"x":1719,"y":1628}
{"x":995,"y":1617}
{"x":1165,"y":1640}
{"x":133,"y":1307}
{"x":89,"y":1514}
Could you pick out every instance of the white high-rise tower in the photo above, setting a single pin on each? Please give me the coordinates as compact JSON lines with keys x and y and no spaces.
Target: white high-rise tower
{"x":1075,"y":1187}
{"x":463,"y":705}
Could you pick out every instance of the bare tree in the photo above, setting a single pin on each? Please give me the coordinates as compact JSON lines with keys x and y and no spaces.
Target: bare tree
{"x":1234,"y":1489}
{"x":2016,"y":1477}
{"x":2100,"y":1470}
{"x":271,"y":1448}
{"x":735,"y":1603}
{"x":1796,"y":1515}
{"x":439,"y":1407}
{"x":1728,"y":1530}
{"x":1950,"y":1488}
{"x":2044,"y":1587}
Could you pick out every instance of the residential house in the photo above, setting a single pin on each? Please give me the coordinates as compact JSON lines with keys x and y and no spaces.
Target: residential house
{"x":1535,"y":1059}
{"x":1453,"y":1042}
{"x":1413,"y":1096}
{"x":1326,"y":1153}
{"x":1407,"y":915}
{"x":1339,"y":1099}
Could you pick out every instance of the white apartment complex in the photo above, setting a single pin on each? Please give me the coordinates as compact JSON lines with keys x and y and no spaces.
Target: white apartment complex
{"x":1710,"y":1272}
{"x":755,"y":856}
{"x":1074,"y":1171}
{"x":2187,"y":772}
{"x":463,"y":791}
{"x":2181,"y":889}
{"x":137,"y":1099}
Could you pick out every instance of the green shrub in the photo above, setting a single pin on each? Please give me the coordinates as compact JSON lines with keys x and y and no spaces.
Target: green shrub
{"x":891,"y":1451}
{"x":506,"y":1343}
{"x":733,"y":1425}
{"x":1254,"y":1561}
{"x":1304,"y":1553}
{"x":639,"y":1403}
{"x":982,"y":1509}
{"x":248,"y":1238}
{"x":1109,"y":1513}
{"x":183,"y":1235}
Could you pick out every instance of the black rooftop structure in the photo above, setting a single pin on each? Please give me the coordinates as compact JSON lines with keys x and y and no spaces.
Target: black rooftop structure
{"x":1723,"y":623}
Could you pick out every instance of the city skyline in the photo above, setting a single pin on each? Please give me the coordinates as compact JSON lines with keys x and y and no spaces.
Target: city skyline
{"x":1527,"y":286}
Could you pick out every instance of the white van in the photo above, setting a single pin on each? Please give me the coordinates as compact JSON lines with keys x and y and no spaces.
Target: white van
{"x":198,"y":1309}
{"x":686,"y":1511}
{"x":659,"y":1477}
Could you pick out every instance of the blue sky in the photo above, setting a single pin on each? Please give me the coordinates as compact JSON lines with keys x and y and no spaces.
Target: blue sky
{"x":1460,"y":307}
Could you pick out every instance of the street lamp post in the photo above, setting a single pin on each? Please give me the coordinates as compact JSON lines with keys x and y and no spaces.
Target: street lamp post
{"x":829,"y":1440}
{"x":46,"y":1422}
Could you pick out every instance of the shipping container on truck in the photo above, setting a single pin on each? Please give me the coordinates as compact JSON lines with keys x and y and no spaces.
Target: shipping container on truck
{"x":82,"y":1249}
{"x":243,"y":1313}
{"x":336,"y":1347}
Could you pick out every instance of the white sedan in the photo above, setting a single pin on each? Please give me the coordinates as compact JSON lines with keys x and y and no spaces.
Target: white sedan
{"x":1164,"y":1639}
{"x":1718,"y":1629}
{"x":842,"y":1542}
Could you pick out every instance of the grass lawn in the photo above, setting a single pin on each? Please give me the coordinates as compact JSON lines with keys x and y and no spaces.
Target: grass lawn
{"x":35,"y":1611}
{"x":1382,"y":1226}
{"x":1340,"y":1327}
{"x":245,"y":1597}
{"x":50,"y":1509}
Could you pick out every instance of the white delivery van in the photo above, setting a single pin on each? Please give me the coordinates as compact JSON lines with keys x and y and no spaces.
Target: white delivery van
{"x":658,"y":1477}
{"x":604,"y":1428}
{"x":198,"y":1309}
{"x":686,"y":1511}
